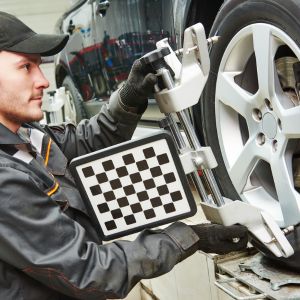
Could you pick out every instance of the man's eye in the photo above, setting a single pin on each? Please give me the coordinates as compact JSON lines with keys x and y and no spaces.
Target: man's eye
{"x":26,"y":67}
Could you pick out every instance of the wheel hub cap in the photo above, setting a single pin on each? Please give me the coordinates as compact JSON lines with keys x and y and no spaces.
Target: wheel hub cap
{"x":269,"y":125}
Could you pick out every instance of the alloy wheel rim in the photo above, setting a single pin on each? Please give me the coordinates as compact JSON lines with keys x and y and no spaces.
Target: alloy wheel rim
{"x":259,"y":154}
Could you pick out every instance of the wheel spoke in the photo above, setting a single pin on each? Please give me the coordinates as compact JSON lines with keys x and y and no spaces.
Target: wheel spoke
{"x":264,"y":49}
{"x":231,"y":94}
{"x":290,"y":122}
{"x":243,"y":165}
{"x":287,"y":195}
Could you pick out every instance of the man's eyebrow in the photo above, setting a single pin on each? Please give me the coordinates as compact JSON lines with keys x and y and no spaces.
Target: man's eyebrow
{"x":28,"y":59}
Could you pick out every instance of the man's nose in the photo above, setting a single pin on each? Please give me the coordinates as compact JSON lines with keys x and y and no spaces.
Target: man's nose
{"x":41,"y":81}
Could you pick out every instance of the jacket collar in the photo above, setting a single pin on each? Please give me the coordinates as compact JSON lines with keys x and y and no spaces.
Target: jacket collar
{"x":7,"y":137}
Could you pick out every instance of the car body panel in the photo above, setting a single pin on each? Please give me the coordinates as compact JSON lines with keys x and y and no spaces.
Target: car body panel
{"x":103,"y":47}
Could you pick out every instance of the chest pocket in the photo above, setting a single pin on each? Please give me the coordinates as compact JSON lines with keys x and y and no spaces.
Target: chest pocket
{"x":66,"y":193}
{"x":53,"y":158}
{"x":63,"y":189}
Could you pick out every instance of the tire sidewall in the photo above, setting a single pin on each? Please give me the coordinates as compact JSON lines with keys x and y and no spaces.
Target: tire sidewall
{"x":77,"y":99}
{"x":233,"y":16}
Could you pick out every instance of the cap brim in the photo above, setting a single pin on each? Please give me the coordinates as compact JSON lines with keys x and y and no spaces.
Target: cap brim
{"x":43,"y":44}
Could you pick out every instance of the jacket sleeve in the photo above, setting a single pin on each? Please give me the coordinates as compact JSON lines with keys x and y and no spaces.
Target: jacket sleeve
{"x":40,"y":240}
{"x":111,"y":126}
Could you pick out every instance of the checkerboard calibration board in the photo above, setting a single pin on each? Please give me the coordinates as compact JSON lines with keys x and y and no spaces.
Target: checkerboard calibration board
{"x":134,"y":185}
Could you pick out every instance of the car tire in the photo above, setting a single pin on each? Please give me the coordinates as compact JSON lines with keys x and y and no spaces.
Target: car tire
{"x":243,"y":113}
{"x":74,"y":109}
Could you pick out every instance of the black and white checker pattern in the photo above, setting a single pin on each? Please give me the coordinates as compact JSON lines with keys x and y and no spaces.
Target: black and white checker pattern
{"x":134,"y":185}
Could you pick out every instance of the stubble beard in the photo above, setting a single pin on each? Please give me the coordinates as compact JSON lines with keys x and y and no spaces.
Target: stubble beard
{"x":13,"y":109}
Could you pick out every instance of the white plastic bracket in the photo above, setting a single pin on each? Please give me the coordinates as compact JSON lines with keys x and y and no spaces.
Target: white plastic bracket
{"x":190,"y":75}
{"x":192,"y":160}
{"x":258,"y":222}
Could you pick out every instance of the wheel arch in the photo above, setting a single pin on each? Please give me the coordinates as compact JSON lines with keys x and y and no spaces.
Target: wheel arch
{"x":203,"y":11}
{"x":60,"y":74}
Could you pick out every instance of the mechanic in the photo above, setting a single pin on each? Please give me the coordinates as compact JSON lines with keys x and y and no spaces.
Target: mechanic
{"x":49,"y":248}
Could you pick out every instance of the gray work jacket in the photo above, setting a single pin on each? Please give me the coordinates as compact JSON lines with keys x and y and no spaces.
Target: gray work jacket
{"x":48,"y":246}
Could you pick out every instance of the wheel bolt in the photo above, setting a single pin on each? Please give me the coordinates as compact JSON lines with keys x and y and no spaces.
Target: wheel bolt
{"x":268,"y":104}
{"x":275,"y":145}
{"x":261,"y":139}
{"x":279,"y":124}
{"x":257,"y":115}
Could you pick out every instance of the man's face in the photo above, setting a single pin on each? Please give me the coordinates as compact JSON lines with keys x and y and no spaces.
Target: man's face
{"x":21,"y":89}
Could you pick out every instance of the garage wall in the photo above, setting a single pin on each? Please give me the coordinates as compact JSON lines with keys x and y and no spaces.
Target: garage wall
{"x":41,"y":16}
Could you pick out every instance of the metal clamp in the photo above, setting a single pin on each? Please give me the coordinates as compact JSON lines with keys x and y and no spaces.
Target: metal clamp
{"x":219,"y":283}
{"x":190,"y":75}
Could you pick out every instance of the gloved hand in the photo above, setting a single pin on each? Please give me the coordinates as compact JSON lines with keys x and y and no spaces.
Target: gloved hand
{"x":138,"y":87}
{"x":221,"y":239}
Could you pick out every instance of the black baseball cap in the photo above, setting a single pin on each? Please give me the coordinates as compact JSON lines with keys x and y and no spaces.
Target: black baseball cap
{"x":15,"y":36}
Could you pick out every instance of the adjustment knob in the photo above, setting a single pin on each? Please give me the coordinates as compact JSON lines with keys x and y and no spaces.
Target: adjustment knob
{"x":155,"y":58}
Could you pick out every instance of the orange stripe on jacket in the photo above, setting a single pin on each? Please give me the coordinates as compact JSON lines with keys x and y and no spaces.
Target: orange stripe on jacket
{"x":53,"y":190}
{"x":48,"y":152}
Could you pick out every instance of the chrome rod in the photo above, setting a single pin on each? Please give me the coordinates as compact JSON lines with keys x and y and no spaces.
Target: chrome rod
{"x":194,"y":142}
{"x":170,"y":124}
{"x":200,"y":187}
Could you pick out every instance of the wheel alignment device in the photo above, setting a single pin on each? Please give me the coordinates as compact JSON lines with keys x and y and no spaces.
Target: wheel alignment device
{"x":176,"y":95}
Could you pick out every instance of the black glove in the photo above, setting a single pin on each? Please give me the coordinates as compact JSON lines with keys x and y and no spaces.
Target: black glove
{"x":221,"y":239}
{"x":138,"y":87}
